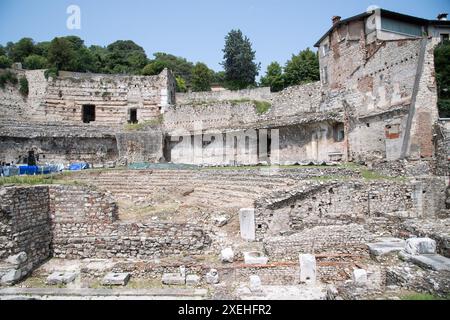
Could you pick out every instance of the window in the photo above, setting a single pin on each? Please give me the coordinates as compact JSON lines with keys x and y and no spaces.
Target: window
{"x":339,"y":132}
{"x":444,"y":37}
{"x":401,"y":27}
{"x":88,"y":113}
{"x":325,"y":49}
{"x":132,"y":116}
{"x":325,"y":75}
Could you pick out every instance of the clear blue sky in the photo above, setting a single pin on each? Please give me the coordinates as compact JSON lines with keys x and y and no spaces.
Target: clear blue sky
{"x":195,"y":29}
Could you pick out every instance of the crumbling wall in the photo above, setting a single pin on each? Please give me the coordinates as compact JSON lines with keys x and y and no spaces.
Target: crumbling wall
{"x":112,"y":96}
{"x":344,"y":239}
{"x":85,"y":225}
{"x":56,"y":143}
{"x":261,"y":94}
{"x":25,"y":224}
{"x":316,"y":143}
{"x":140,"y":146}
{"x":337,"y":203}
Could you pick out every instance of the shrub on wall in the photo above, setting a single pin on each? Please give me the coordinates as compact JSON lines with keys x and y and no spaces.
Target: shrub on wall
{"x":23,"y":86}
{"x":5,"y":62}
{"x":8,"y":77}
{"x":35,"y":62}
{"x":52,"y":72}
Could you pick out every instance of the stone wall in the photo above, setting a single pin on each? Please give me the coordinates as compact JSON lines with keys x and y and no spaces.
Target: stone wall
{"x":260,"y":94}
{"x":140,"y":146}
{"x":112,"y":95}
{"x":85,"y":225}
{"x":340,"y":203}
{"x":25,"y":223}
{"x":76,"y":222}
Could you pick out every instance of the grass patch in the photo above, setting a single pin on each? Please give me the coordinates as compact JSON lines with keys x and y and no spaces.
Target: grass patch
{"x":262,"y":106}
{"x":142,"y":125}
{"x":27,"y":180}
{"x":373,"y":175}
{"x":41,"y":179}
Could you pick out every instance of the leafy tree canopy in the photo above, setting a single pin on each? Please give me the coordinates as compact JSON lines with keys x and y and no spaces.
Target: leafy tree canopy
{"x":202,"y":77}
{"x":240,"y":67}
{"x":274,"y":77}
{"x":302,"y":68}
{"x":34,"y":62}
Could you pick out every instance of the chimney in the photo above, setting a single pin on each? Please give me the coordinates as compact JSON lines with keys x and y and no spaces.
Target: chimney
{"x":335,"y":19}
{"x":442,"y":16}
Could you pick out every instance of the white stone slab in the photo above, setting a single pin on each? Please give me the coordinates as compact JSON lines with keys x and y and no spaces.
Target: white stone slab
{"x":255,"y":257}
{"x":359,"y":276}
{"x":432,"y":261}
{"x":227,"y":255}
{"x":116,"y":279}
{"x":386,"y":246}
{"x":192,"y":280}
{"x":61,"y":278}
{"x":173,"y":279}
{"x":308,"y":268}
{"x":255,"y":284}
{"x":247,"y":223}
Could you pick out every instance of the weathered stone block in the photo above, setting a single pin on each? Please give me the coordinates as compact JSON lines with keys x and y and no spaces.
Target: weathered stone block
{"x":308,"y":268}
{"x":255,"y":284}
{"x":247,"y":223}
{"x":386,"y":246}
{"x":255,"y":257}
{"x":11,"y":277}
{"x":432,"y":261}
{"x":227,"y":255}
{"x":173,"y":279}
{"x":359,"y":276}
{"x":192,"y":280}
{"x":61,"y":278}
{"x":17,"y":259}
{"x":116,"y":279}
{"x":416,"y":246}
{"x":212,"y":277}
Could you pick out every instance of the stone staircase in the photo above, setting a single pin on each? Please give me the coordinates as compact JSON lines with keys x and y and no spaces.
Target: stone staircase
{"x":214,"y":189}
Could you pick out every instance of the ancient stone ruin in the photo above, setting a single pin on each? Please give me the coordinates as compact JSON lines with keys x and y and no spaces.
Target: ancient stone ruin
{"x":330,"y":190}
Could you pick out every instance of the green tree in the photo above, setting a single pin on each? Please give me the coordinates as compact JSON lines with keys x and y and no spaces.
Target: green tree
{"x":125,"y":56}
{"x":239,"y":65}
{"x":181,"y":84}
{"x":2,"y":51}
{"x":99,"y":55}
{"x":35,"y":62}
{"x":5,"y":62}
{"x":22,"y":49}
{"x":442,"y":68}
{"x":179,"y":66}
{"x":274,"y":77}
{"x":61,"y":54}
{"x":302,"y":68}
{"x":219,"y":77}
{"x":201,"y":77}
{"x":154,"y":68}
{"x":41,"y":48}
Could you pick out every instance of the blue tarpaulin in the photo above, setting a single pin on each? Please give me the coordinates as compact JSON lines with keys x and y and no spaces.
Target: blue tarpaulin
{"x":30,"y":170}
{"x":78,"y":166}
